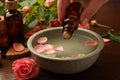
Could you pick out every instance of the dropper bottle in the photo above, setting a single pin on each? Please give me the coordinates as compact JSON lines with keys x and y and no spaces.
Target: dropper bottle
{"x":14,"y":22}
{"x":71,"y":19}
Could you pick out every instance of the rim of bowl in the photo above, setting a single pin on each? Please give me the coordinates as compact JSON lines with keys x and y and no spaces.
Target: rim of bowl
{"x":96,"y":51}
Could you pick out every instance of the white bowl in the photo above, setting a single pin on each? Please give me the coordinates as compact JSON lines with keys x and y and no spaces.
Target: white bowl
{"x":66,"y":65}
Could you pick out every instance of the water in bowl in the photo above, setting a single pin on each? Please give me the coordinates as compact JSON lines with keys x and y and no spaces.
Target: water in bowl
{"x":74,"y":47}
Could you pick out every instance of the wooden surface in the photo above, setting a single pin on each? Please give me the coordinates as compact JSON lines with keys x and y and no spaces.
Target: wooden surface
{"x":107,"y":66}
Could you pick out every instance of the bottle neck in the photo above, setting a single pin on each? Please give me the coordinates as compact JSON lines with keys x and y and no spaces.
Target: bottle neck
{"x":11,"y":5}
{"x":13,"y":10}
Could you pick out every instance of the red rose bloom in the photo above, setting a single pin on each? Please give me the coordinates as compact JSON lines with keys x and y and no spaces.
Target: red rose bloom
{"x":25,"y":68}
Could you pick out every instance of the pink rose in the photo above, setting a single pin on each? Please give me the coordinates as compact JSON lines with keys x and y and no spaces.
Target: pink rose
{"x":25,"y":69}
{"x":55,"y":23}
{"x":26,"y":10}
{"x":50,"y":0}
{"x":49,"y":3}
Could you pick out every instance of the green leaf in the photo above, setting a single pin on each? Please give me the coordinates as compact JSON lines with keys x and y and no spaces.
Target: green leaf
{"x":53,"y":10}
{"x":114,"y":37}
{"x":27,"y":3}
{"x":41,"y":11}
{"x":1,"y":3}
{"x":32,"y":2}
{"x":41,"y":2}
{"x":49,"y":18}
{"x":24,"y":3}
{"x":2,"y":8}
{"x":31,"y":15}
{"x":33,"y":23}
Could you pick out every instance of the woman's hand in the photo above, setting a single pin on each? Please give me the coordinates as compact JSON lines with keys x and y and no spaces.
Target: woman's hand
{"x":89,"y":11}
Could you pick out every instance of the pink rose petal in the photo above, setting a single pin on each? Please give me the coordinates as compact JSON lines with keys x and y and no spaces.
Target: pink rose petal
{"x":48,"y":46}
{"x":42,"y":40}
{"x":49,"y":51}
{"x":18,"y":46}
{"x":106,"y":40}
{"x":40,"y":48}
{"x":74,"y":55}
{"x":91,"y":43}
{"x":49,"y":0}
{"x":59,"y":48}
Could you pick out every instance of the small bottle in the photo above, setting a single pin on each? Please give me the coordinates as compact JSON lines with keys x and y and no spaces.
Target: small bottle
{"x":3,"y":35}
{"x":4,"y":45}
{"x":14,"y":22}
{"x":71,"y":19}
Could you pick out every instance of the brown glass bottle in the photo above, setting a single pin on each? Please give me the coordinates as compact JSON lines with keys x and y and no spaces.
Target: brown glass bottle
{"x":71,"y":19}
{"x":14,"y":22}
{"x":4,"y":45}
{"x":3,"y":35}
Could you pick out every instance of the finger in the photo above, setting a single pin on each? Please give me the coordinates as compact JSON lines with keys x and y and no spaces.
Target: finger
{"x":72,"y":0}
{"x":75,"y":0}
{"x":61,"y":5}
{"x":90,"y":10}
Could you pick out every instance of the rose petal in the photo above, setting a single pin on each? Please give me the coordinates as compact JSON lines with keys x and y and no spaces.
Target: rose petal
{"x":23,"y":70}
{"x":50,"y":0}
{"x":74,"y":55}
{"x":48,"y":46}
{"x":49,"y":51}
{"x":40,"y":48}
{"x":42,"y":40}
{"x":106,"y":40}
{"x":93,"y":22}
{"x":59,"y":48}
{"x":34,"y":72}
{"x":26,"y":9}
{"x":18,"y":46}
{"x":91,"y":43}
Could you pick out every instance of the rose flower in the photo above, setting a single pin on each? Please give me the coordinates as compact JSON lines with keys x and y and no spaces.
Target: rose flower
{"x":25,"y":69}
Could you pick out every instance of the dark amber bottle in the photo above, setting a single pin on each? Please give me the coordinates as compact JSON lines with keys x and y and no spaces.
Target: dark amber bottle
{"x":4,"y":45}
{"x":3,"y":35}
{"x":71,"y":19}
{"x":14,"y":22}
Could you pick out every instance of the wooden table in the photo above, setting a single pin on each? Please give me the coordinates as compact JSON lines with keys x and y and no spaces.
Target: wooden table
{"x":107,"y":66}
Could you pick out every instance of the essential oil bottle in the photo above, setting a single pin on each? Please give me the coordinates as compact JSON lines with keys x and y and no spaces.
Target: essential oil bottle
{"x":3,"y":35}
{"x":4,"y":45}
{"x":71,"y":19}
{"x":14,"y":22}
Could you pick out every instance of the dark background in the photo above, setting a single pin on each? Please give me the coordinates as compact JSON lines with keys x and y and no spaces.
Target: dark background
{"x":107,"y":66}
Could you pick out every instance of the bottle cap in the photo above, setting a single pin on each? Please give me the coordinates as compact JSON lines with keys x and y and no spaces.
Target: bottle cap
{"x":11,"y":4}
{"x":2,"y":23}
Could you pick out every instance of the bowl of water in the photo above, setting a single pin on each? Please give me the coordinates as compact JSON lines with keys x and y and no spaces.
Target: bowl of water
{"x":65,"y":56}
